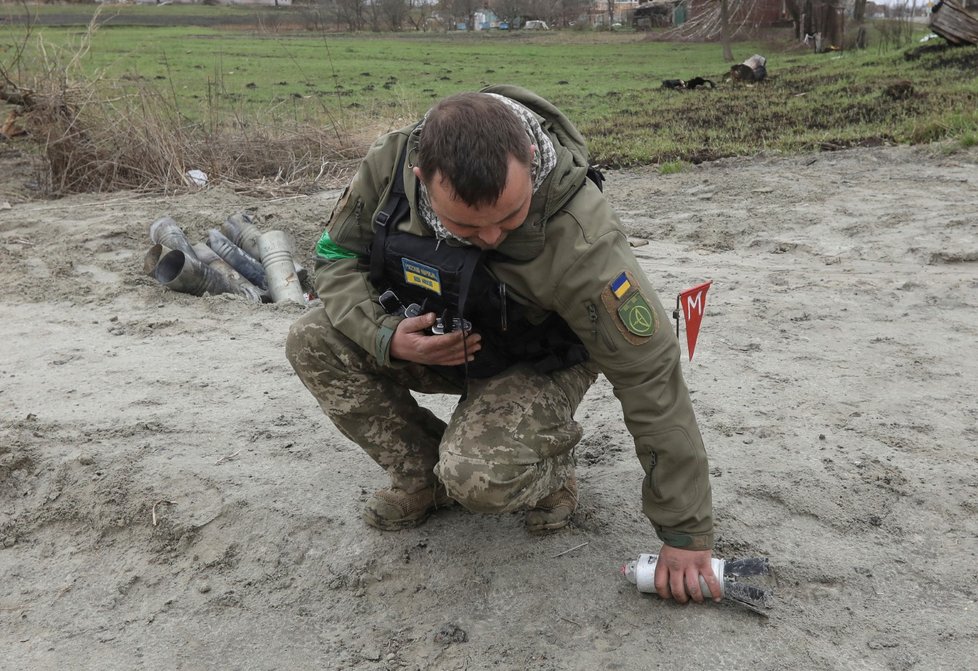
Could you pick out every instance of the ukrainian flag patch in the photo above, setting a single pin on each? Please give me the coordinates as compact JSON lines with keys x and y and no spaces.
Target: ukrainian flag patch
{"x":620,"y":285}
{"x":421,"y":275}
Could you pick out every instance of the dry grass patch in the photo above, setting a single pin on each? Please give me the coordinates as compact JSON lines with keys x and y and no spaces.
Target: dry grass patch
{"x":93,"y":136}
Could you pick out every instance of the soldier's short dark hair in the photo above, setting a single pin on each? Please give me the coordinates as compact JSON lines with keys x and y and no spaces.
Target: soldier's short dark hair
{"x":469,"y":138}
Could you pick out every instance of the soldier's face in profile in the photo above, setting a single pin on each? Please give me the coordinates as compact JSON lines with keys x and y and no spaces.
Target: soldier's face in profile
{"x":485,"y":226}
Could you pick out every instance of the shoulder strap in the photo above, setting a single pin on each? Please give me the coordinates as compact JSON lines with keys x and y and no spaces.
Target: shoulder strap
{"x":595,"y":175}
{"x":473,"y":259}
{"x":393,"y":211}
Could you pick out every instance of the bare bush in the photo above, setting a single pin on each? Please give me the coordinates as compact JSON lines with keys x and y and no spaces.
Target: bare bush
{"x":141,"y":141}
{"x":708,"y":25}
{"x":897,"y":31}
{"x":95,"y":138}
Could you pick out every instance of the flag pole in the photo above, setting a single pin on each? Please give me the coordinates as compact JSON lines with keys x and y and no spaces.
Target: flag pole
{"x":675,"y":314}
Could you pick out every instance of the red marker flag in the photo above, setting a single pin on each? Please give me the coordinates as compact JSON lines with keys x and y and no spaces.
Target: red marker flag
{"x":693,"y":302}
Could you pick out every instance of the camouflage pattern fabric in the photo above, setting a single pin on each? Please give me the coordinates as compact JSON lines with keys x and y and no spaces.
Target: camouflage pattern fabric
{"x":508,"y":445}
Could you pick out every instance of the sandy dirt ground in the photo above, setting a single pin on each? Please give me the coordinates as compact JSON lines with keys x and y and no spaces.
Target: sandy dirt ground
{"x":835,"y":380}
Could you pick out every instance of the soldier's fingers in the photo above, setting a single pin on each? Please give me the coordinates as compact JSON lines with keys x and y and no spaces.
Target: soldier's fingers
{"x":693,"y":584}
{"x":417,"y":324}
{"x":662,"y":581}
{"x":446,"y":350}
{"x":676,"y":584}
{"x":712,"y":583}
{"x":457,"y":342}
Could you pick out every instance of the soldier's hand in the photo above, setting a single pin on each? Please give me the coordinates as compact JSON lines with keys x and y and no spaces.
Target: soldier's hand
{"x":411,"y":343}
{"x":677,"y":574}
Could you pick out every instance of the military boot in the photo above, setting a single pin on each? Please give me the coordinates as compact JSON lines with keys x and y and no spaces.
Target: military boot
{"x":554,"y":510}
{"x":394,"y":509}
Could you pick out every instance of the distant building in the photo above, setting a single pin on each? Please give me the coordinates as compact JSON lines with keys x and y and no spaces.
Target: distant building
{"x":597,"y":14}
{"x":485,"y":19}
{"x":659,"y":14}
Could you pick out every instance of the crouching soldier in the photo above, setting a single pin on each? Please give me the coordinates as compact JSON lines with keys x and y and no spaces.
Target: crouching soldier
{"x":474,"y":254}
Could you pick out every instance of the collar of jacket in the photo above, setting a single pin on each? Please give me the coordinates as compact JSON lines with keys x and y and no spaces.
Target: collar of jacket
{"x":567,"y":176}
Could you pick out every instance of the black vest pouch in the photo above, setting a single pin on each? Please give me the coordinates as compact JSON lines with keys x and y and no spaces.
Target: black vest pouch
{"x":419,"y":270}
{"x":451,"y":282}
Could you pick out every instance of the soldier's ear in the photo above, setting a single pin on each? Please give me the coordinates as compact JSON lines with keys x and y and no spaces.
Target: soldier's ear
{"x":417,"y":172}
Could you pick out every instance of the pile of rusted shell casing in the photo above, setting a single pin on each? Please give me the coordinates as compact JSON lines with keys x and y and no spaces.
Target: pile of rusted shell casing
{"x":241,"y":260}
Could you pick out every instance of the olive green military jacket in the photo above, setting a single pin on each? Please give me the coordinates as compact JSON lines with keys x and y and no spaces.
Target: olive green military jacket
{"x":571,"y":257}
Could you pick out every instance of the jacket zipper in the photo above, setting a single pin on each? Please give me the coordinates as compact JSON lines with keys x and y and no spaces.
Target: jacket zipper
{"x":503,"y":319}
{"x":596,"y":328}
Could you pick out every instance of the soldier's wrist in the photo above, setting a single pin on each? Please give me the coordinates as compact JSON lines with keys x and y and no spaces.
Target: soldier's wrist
{"x":685,"y":541}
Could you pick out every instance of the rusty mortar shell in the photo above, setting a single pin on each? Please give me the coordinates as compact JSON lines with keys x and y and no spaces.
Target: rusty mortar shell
{"x":185,"y":273}
{"x":152,"y":258}
{"x":242,"y":286}
{"x":237,"y":258}
{"x":276,"y":256}
{"x":241,"y":230}
{"x":164,"y":231}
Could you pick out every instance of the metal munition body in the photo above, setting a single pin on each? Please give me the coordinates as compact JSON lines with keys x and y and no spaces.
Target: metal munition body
{"x":164,"y":231}
{"x":185,"y":273}
{"x":209,"y":257}
{"x":641,"y":573}
{"x":275,"y":250}
{"x":240,"y":229}
{"x":152,"y":258}
{"x":237,"y":258}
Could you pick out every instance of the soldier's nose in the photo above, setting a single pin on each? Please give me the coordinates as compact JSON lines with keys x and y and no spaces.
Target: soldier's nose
{"x":491,"y":236}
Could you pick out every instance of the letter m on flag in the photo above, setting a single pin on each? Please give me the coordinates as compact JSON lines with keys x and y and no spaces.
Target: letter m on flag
{"x":693,"y":302}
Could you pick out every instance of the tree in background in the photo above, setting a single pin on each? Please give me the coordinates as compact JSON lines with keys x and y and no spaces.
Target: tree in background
{"x":793,"y":9}
{"x":509,"y":10}
{"x":725,"y":30}
{"x":419,"y":14}
{"x":395,"y":12}
{"x":348,"y":12}
{"x":461,"y":10}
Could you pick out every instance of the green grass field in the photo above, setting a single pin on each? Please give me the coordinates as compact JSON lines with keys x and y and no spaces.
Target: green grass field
{"x":608,"y":83}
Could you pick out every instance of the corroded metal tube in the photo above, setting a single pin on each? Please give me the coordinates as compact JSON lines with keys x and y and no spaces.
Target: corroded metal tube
{"x":241,"y":230}
{"x":185,"y":273}
{"x":152,"y":258}
{"x":275,"y":248}
{"x":242,"y":285}
{"x":237,"y":258}
{"x":164,"y":231}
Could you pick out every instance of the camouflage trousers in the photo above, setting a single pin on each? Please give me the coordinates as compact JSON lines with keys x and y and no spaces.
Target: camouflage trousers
{"x":505,"y":447}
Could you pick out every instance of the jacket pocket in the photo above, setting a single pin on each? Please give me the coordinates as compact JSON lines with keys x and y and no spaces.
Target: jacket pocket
{"x":599,"y":327}
{"x":344,"y":222}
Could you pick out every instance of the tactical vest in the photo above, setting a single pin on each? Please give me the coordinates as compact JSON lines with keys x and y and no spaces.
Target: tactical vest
{"x":456,"y":282}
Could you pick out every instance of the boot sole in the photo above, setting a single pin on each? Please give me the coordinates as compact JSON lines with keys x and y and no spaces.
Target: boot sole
{"x":550,"y":526}
{"x":384,"y":524}
{"x":394,"y":525}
